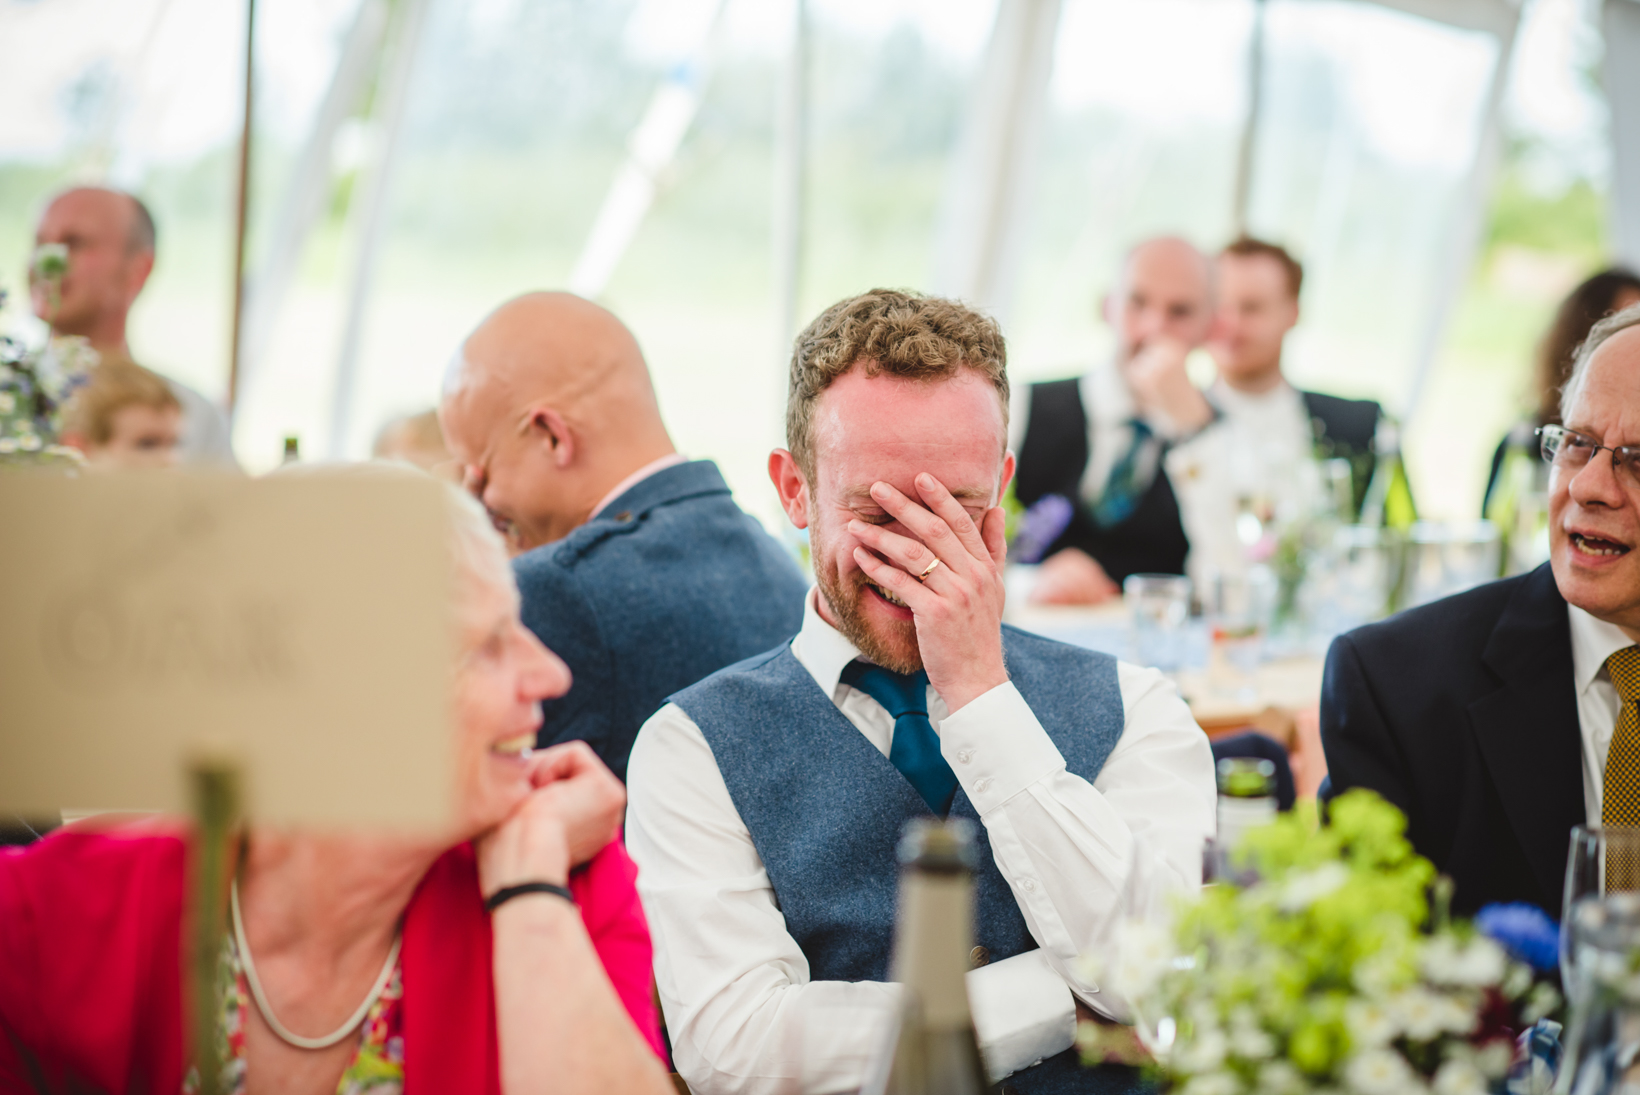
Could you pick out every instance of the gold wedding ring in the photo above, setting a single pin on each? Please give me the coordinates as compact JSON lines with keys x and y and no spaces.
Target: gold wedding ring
{"x":929,"y":569}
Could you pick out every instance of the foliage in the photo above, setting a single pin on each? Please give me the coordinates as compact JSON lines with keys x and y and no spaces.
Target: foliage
{"x":1325,"y":972}
{"x":35,"y":386}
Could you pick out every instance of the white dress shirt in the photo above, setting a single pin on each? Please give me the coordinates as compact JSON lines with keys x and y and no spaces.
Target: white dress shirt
{"x":1598,"y":704}
{"x":741,"y":1011}
{"x":1261,"y":450}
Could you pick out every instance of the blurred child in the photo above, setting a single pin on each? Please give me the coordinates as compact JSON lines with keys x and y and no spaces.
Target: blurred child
{"x":416,"y":439}
{"x":125,"y":417}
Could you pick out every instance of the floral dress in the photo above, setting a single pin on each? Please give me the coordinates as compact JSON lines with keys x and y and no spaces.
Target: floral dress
{"x":377,"y":1067}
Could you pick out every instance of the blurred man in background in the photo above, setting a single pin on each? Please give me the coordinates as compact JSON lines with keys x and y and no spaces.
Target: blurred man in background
{"x":1258,"y":457}
{"x":633,"y":562}
{"x":1098,"y":439}
{"x":110,"y":238}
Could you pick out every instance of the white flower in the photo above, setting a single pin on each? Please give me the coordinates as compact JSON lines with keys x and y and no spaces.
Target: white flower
{"x":1477,"y":964}
{"x":8,"y":403}
{"x":1494,"y":1058}
{"x":1203,"y":1053}
{"x":1280,"y":1078}
{"x":1251,"y":1043}
{"x":1213,"y":1083}
{"x":1371,"y":1024}
{"x":1458,"y":1077}
{"x":1304,"y":888}
{"x":1425,"y":1015}
{"x":7,"y":445}
{"x":1380,"y":1072}
{"x":29,"y":442}
{"x":1144,"y":953}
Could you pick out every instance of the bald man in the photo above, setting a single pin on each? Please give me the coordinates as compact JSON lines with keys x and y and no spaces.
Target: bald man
{"x":1097,"y":440}
{"x":110,"y":240}
{"x":634,"y":564}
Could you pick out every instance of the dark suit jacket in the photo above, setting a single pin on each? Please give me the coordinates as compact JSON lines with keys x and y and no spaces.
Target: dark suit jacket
{"x":1052,"y":460}
{"x":1054,"y":456}
{"x":667,"y":584}
{"x":1464,"y":714}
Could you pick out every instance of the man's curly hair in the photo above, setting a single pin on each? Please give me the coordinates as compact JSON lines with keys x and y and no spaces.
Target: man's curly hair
{"x":892,"y":331}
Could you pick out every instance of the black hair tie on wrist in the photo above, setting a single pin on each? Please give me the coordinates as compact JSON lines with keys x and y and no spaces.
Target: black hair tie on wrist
{"x":507,"y":893}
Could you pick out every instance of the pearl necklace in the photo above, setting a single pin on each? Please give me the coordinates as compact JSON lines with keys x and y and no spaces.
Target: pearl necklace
{"x":266,"y":1009}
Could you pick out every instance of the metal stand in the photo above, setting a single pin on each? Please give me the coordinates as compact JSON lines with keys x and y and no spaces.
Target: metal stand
{"x":215,"y":788}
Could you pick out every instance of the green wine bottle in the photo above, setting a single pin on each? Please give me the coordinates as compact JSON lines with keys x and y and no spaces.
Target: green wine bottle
{"x":1389,"y":494}
{"x":934,"y":1051}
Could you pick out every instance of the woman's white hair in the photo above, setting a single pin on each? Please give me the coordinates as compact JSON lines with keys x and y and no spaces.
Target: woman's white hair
{"x":1599,"y":335}
{"x":475,"y":546}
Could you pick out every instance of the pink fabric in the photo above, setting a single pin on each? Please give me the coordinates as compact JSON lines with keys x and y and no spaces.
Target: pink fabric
{"x":91,"y":964}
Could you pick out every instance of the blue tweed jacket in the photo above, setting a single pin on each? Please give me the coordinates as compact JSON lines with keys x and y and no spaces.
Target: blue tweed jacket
{"x":666,"y":585}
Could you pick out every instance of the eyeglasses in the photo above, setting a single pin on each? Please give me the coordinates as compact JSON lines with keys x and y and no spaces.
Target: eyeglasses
{"x":1567,"y":449}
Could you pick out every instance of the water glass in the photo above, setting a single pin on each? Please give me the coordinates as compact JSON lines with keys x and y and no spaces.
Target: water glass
{"x":1443,"y":559}
{"x":1603,"y":1039}
{"x":1239,"y":607}
{"x":1603,"y":860}
{"x":1159,"y":606}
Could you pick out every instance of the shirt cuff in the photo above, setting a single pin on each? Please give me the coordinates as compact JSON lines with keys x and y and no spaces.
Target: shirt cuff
{"x":997,"y":748}
{"x":1023,"y":1013}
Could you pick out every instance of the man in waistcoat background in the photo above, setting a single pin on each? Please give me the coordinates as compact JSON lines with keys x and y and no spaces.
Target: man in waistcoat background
{"x":1098,"y":439}
{"x":632,"y":561}
{"x":765,"y":802}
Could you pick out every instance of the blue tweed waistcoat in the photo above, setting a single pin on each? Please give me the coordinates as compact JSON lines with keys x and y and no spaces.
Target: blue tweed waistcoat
{"x":825,"y":809}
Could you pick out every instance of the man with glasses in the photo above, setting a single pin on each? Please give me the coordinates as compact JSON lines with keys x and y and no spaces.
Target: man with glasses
{"x":1501,"y":717}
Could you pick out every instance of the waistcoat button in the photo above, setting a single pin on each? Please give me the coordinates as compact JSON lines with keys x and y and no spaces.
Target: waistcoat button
{"x":978,"y":957}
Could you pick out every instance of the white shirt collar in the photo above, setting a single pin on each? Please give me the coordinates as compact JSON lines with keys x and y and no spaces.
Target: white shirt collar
{"x":1593,"y":641}
{"x":821,"y":648}
{"x":1232,"y":401}
{"x":635,"y":478}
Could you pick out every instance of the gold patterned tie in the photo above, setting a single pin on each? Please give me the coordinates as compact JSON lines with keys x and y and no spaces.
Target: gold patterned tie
{"x":1620,"y":799}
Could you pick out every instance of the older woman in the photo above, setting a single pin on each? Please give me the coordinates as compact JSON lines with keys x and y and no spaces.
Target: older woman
{"x":510,"y":956}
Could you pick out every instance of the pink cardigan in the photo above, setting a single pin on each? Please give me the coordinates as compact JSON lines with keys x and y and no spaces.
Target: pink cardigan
{"x":91,"y":964}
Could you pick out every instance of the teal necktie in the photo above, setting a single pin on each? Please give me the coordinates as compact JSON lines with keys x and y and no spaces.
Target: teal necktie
{"x":1123,"y":491}
{"x":915,"y":750}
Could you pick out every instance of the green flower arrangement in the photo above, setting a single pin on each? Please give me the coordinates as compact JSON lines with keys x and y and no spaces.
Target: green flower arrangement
{"x":36,"y":384}
{"x":1326,"y":972}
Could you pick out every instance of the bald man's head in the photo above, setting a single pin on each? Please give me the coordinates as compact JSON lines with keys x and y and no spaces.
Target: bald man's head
{"x":548,"y":406}
{"x":1165,"y":289}
{"x":109,"y":235}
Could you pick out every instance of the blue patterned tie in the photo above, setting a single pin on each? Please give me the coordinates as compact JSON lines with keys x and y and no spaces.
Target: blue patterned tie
{"x":915,"y":750}
{"x":1123,"y":491}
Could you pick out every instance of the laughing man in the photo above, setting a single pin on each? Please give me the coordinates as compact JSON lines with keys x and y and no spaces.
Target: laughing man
{"x":765,"y":801}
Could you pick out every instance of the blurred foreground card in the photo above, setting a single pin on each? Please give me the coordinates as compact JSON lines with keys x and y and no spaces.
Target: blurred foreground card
{"x":303,"y":624}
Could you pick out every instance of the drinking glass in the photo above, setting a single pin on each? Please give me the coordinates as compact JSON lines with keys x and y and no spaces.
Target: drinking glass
{"x":1159,"y":605}
{"x":1239,"y":607}
{"x":1443,"y":559}
{"x":1604,"y":859}
{"x":1603,"y":1039}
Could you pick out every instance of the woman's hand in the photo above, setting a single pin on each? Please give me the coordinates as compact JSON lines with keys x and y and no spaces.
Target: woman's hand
{"x":589,"y":799}
{"x":532,"y":845}
{"x":575,"y":810}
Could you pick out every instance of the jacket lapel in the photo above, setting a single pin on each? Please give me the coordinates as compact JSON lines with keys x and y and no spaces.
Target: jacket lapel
{"x":1528,"y":729}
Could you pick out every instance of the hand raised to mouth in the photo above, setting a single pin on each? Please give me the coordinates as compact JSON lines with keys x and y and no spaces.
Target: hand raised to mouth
{"x":958,"y":609}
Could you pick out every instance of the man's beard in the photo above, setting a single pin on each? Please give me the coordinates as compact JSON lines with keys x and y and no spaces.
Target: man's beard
{"x":898,"y":651}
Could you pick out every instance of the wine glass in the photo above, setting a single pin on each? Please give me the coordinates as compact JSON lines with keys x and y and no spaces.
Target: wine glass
{"x":1603,"y":859}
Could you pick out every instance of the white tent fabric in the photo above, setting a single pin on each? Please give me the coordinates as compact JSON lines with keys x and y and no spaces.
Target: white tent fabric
{"x":1621,"y":23}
